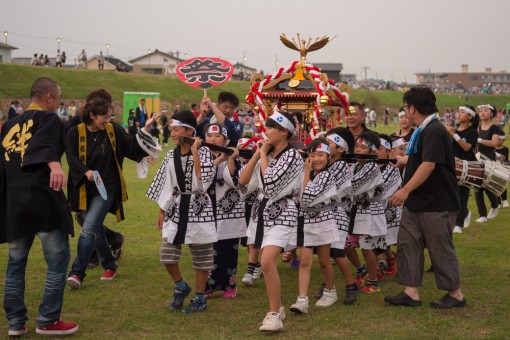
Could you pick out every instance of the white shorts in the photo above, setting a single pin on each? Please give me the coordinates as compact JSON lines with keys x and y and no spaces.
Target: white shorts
{"x":372,"y":242}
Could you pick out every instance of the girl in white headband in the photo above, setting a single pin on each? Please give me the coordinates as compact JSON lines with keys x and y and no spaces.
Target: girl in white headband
{"x":341,"y":142}
{"x":464,"y":145}
{"x":406,"y":130}
{"x":502,"y":156}
{"x":488,"y":138}
{"x":363,"y":232}
{"x":230,"y":221}
{"x":276,"y":170}
{"x":316,"y":225}
{"x":392,"y":181}
{"x":186,"y":212}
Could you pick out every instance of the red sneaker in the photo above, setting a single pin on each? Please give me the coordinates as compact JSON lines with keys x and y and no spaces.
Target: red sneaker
{"x":360,"y":280}
{"x":18,"y":331}
{"x":391,"y":269}
{"x":109,"y":274}
{"x":380,"y":275}
{"x":229,"y":293}
{"x":58,"y":328}
{"x":74,"y":281}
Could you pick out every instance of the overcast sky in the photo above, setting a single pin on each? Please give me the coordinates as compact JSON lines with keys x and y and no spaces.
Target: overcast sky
{"x":394,"y":38}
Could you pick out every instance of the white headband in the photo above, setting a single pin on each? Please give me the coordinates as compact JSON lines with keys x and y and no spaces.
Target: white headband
{"x":485,"y":105}
{"x":323,"y":147}
{"x":398,"y":142}
{"x":283,"y":121}
{"x":401,"y":113}
{"x":175,"y":122}
{"x":243,"y":141}
{"x":502,"y":137}
{"x":338,"y":141}
{"x":385,"y":143}
{"x":468,"y":110}
{"x":216,"y":129}
{"x":370,"y":145}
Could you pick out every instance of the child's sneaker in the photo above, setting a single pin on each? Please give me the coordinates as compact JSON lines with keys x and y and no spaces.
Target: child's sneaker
{"x":248,"y":279}
{"x":109,"y":275}
{"x":380,"y":275}
{"x":271,"y":323}
{"x":282,"y":313}
{"x":229,"y":293}
{"x":319,"y":293}
{"x":505,"y":204}
{"x":178,"y":297}
{"x":328,"y":298}
{"x":391,"y":268}
{"x":58,"y":328}
{"x":74,"y":281}
{"x":209,"y":293}
{"x":257,"y":274}
{"x":351,"y":294}
{"x":371,"y":287}
{"x":301,"y":306}
{"x":17,"y":331}
{"x":360,"y":276}
{"x":492,"y":213}
{"x":467,"y":220}
{"x":195,"y":305}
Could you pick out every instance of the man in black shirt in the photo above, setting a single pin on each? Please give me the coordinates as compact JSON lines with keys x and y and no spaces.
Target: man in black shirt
{"x":354,"y":118}
{"x":431,"y":202}
{"x":32,"y":202}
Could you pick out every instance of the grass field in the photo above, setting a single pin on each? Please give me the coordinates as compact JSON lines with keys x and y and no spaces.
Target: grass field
{"x":76,"y":84}
{"x":134,"y":306}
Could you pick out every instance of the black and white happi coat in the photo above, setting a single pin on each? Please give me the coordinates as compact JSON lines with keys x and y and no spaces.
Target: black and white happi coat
{"x":274,"y":213}
{"x":392,"y":182}
{"x":342,"y":174}
{"x":365,"y":211}
{"x":189,"y":213}
{"x":230,"y":219}
{"x":316,"y":221}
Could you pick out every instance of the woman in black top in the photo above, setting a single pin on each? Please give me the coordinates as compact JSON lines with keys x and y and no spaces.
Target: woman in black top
{"x":98,"y":146}
{"x":464,"y":146}
{"x":406,"y":130}
{"x":502,"y":156}
{"x":488,"y":138}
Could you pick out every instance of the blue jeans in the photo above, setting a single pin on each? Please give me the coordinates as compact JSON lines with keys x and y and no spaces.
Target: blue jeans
{"x":93,"y":236}
{"x":55,"y":246}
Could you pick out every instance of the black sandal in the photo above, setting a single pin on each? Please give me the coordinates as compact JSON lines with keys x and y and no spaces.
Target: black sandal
{"x":448,"y":302}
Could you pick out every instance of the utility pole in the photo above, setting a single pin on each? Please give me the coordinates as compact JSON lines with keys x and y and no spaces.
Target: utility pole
{"x":365,"y":68}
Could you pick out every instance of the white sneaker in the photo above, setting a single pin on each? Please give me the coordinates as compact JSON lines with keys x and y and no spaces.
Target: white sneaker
{"x":247,"y":279}
{"x":492,"y":213}
{"x":257,"y":274}
{"x":505,"y":204}
{"x":271,"y":323}
{"x":457,"y":230}
{"x":282,"y":313}
{"x":328,"y":298}
{"x":482,"y":219}
{"x":467,"y":220}
{"x":301,"y":306}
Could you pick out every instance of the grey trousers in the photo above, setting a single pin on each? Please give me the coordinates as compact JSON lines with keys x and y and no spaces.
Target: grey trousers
{"x":434,"y":231}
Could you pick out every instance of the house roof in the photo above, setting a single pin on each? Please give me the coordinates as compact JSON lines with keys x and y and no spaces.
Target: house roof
{"x":4,"y":46}
{"x":114,"y":62}
{"x":329,"y":66}
{"x":132,"y":61}
{"x":244,"y":66}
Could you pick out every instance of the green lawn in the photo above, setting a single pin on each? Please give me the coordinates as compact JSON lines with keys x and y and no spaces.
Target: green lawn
{"x":76,"y":84}
{"x":135,"y":304}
